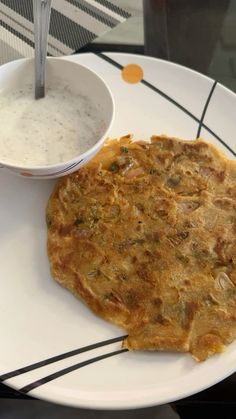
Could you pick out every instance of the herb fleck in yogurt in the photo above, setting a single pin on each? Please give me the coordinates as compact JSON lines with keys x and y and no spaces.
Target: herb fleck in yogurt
{"x":46,"y":131}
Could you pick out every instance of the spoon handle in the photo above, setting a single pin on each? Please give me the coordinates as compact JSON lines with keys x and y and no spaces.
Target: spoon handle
{"x":42,"y":9}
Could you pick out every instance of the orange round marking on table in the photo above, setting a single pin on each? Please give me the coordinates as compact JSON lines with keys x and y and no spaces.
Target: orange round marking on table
{"x":26,"y":174}
{"x":132,"y":73}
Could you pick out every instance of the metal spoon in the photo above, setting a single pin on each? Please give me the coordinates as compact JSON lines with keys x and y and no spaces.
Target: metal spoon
{"x":42,"y":10}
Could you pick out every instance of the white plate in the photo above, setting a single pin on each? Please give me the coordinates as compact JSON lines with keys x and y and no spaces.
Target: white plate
{"x":40,"y":320}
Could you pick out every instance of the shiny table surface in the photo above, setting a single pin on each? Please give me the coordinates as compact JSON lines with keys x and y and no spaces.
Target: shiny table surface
{"x":200,"y":34}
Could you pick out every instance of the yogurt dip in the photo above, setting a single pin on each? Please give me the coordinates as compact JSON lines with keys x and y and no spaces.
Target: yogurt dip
{"x":47,"y":131}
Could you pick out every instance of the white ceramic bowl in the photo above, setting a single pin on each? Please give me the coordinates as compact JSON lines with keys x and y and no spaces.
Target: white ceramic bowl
{"x":78,"y":79}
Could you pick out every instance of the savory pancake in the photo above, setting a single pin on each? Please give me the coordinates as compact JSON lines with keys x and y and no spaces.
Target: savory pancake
{"x":145,"y":235}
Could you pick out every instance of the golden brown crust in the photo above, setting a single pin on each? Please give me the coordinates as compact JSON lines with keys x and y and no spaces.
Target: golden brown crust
{"x":145,"y":235}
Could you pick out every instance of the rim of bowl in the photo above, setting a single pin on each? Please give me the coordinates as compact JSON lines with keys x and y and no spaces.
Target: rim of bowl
{"x":78,"y":156}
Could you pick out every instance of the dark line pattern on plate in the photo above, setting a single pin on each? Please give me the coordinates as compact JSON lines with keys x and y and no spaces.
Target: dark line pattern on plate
{"x":60,"y":373}
{"x":151,"y":86}
{"x":57,"y":358}
{"x":219,"y":139}
{"x":205,"y":109}
{"x":163,"y":94}
{"x":109,"y":60}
